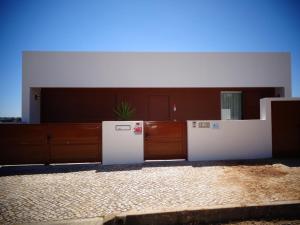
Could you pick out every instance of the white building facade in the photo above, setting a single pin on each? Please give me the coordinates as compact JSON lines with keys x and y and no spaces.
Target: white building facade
{"x":149,"y":70}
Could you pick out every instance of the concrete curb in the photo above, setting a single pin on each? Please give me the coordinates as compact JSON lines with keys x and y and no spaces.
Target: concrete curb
{"x":214,"y":214}
{"x":187,"y":216}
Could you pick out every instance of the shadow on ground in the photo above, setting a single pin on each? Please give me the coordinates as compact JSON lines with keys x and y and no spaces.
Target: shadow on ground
{"x":12,"y":170}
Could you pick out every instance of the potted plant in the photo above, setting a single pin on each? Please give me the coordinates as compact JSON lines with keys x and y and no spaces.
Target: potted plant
{"x":124,"y":111}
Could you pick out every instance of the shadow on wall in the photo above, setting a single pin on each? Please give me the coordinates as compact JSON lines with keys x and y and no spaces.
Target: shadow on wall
{"x":98,"y":168}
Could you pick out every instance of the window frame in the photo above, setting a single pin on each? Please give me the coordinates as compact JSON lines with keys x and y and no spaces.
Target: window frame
{"x":241,"y":103}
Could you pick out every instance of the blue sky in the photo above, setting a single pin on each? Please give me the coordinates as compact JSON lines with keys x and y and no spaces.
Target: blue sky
{"x":142,"y":25}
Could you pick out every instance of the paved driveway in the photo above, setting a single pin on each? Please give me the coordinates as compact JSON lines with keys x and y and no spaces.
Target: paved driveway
{"x":42,"y":193}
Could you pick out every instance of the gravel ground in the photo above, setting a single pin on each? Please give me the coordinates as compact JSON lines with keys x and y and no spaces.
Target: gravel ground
{"x":43,"y":193}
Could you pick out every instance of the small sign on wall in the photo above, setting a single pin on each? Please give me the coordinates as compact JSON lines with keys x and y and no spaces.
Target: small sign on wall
{"x":204,"y":124}
{"x":215,"y":125}
{"x":122,"y":127}
{"x":201,"y":124}
{"x":138,"y":129}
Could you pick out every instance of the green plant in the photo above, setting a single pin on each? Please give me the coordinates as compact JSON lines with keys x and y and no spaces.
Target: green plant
{"x":124,"y":111}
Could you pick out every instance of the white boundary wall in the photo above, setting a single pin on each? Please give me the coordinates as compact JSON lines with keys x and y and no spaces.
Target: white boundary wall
{"x":121,"y":146}
{"x":152,"y":69}
{"x":232,"y":139}
{"x":212,"y":140}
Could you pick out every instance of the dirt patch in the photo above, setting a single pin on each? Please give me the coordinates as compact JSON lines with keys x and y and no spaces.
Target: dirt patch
{"x":258,"y":171}
{"x":242,"y":175}
{"x":257,"y":182}
{"x":265,"y":171}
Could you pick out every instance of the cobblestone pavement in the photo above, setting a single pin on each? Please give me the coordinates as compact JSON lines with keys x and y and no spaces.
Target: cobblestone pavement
{"x":56,"y":192}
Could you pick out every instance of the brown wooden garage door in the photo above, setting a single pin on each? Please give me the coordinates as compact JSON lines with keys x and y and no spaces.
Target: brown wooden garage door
{"x":165,"y":140}
{"x":286,"y":128}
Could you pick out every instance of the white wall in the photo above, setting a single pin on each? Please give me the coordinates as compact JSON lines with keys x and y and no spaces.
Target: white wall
{"x":234,"y":139}
{"x":96,"y":69}
{"x":35,"y":105}
{"x":121,"y":147}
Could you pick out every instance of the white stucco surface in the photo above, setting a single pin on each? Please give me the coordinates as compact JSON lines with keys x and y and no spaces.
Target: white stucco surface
{"x":121,"y":146}
{"x":233,"y":139}
{"x":152,"y":69}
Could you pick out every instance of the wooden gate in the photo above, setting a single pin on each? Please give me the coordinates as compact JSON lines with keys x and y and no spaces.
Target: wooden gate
{"x":165,"y":140}
{"x":286,"y":128}
{"x":50,"y":143}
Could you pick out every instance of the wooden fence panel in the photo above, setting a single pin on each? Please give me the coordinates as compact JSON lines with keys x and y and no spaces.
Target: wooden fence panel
{"x":75,"y":142}
{"x":23,"y":144}
{"x":50,"y":143}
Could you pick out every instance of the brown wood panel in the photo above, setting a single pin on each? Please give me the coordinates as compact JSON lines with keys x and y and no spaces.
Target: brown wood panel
{"x":251,"y":101}
{"x":96,"y":104}
{"x":23,"y":144}
{"x":286,"y":128}
{"x":75,"y":142}
{"x":165,"y":140}
{"x":50,"y":143}
{"x":159,"y":107}
{"x":75,"y":153}
{"x":77,"y":105}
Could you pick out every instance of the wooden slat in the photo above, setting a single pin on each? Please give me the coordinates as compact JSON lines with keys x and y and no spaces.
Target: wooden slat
{"x":75,"y":153}
{"x":165,"y":140}
{"x":77,"y":142}
{"x":50,"y":143}
{"x":23,"y":144}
